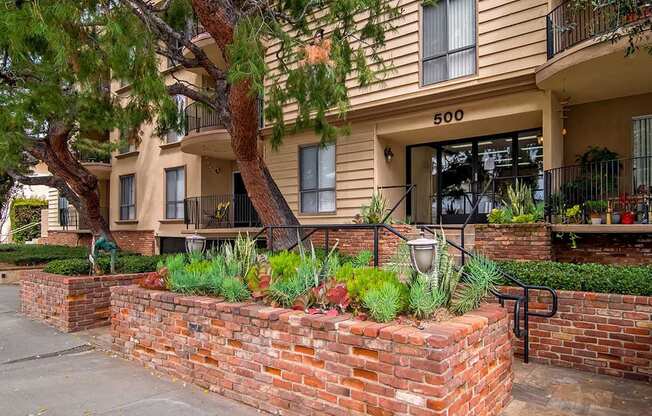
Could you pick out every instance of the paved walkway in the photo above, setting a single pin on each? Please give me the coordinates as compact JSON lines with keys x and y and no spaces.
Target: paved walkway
{"x":47,"y":373}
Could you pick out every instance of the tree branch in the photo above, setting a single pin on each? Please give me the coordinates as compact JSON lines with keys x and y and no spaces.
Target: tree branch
{"x":52,"y":182}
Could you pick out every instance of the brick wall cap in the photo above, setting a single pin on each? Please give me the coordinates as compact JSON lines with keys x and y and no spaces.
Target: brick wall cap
{"x":39,"y":275}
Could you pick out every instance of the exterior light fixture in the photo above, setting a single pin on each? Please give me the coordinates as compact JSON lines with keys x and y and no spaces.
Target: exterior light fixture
{"x":422,"y":253}
{"x":388,"y":154}
{"x":540,"y":140}
{"x":195,"y":244}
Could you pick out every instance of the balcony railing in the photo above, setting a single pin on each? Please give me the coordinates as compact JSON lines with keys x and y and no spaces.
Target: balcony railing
{"x":69,"y":218}
{"x":568,"y":24}
{"x":86,"y":156}
{"x":200,"y":117}
{"x":220,"y":211}
{"x":616,"y":186}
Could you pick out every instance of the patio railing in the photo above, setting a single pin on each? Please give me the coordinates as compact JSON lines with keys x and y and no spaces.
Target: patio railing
{"x":200,"y":117}
{"x":607,"y":186}
{"x":70,"y":219}
{"x":568,"y":24}
{"x":220,"y":211}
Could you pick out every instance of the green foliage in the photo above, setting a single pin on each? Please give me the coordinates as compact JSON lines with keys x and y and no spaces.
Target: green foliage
{"x":234,"y":290}
{"x":284,"y":292}
{"x":589,"y":277}
{"x":519,"y":208}
{"x":596,"y":206}
{"x":284,"y":264}
{"x":384,"y":301}
{"x":425,"y":300}
{"x":32,"y":254}
{"x":375,"y":212}
{"x":362,"y":259}
{"x":595,"y":154}
{"x":361,"y":280}
{"x":480,"y":276}
{"x":123,"y":265}
{"x":25,"y":211}
{"x":400,"y":262}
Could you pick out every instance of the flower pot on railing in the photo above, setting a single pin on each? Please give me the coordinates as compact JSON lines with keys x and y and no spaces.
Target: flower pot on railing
{"x":628,"y":217}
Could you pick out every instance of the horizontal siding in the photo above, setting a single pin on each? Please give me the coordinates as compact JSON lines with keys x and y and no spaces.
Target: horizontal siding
{"x":511,"y":39}
{"x":354,"y":172}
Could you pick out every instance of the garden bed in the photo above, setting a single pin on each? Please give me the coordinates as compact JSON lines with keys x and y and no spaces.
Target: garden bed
{"x":290,"y":362}
{"x":70,"y":303}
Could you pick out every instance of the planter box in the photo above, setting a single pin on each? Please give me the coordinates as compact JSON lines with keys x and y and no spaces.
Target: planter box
{"x":70,"y":303}
{"x":287,"y":362}
{"x":514,"y":241}
{"x":596,"y":332}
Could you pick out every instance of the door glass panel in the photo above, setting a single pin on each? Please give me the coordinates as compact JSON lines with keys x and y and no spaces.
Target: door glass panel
{"x":456,"y":179}
{"x":423,"y":176}
{"x":530,"y":162}
{"x":494,"y":160}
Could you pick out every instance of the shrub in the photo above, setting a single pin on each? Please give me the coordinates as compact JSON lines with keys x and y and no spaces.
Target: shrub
{"x":123,"y":265}
{"x":361,"y":280}
{"x":33,"y":254}
{"x":285,"y":291}
{"x":384,"y":302}
{"x":234,"y":290}
{"x":424,"y":300}
{"x":480,"y":277}
{"x":374,"y":213}
{"x":590,"y":277}
{"x":284,"y":264}
{"x":25,"y":211}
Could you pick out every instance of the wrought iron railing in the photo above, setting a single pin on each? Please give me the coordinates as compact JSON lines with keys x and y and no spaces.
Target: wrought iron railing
{"x":220,"y":211}
{"x":87,"y":156}
{"x":70,"y":219}
{"x":569,"y":24}
{"x":619,"y":185}
{"x":200,"y":117}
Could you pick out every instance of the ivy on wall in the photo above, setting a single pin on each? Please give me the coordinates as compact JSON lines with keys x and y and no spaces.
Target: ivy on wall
{"x":25,"y":211}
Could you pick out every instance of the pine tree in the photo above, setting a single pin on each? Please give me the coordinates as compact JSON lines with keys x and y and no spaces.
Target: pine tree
{"x":318,"y":46}
{"x":57,"y":58}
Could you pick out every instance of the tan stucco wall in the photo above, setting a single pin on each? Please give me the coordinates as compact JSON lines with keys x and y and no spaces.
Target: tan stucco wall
{"x":605,"y":124}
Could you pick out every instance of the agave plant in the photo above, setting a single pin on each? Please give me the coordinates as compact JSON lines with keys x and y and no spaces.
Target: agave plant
{"x":374,"y":213}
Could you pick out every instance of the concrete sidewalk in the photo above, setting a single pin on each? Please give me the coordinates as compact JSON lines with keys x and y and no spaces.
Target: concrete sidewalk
{"x":47,"y":373}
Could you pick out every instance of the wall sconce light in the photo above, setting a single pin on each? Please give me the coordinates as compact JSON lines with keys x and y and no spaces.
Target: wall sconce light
{"x":540,"y":140}
{"x":563,"y":131}
{"x":388,"y":154}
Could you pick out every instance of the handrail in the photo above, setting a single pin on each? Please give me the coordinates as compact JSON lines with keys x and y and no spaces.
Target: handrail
{"x":391,"y":211}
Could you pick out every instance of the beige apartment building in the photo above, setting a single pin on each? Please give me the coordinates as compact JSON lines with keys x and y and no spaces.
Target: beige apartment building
{"x":483,"y":92}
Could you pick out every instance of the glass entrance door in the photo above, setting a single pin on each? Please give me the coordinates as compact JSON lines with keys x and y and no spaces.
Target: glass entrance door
{"x":456,"y":190}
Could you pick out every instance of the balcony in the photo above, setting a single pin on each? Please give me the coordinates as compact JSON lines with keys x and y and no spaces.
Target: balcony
{"x":205,"y":136}
{"x":584,"y":62}
{"x":98,"y":163}
{"x":71,"y":220}
{"x":220,"y":212}
{"x":203,"y":39}
{"x":612,"y":192}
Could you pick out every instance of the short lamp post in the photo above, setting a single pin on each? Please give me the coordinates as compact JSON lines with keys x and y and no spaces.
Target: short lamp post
{"x":422,"y":253}
{"x":195,"y":244}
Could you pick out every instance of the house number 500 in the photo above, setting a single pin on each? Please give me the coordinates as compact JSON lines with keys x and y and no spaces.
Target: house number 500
{"x":448,"y":116}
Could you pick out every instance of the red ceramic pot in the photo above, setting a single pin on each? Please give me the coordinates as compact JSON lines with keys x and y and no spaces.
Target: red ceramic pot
{"x":627,"y":217}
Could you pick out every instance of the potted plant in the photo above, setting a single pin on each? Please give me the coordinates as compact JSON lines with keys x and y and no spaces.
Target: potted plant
{"x":628,"y":216}
{"x":596,"y":208}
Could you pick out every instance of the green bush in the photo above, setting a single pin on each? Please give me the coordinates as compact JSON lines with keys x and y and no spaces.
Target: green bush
{"x":32,"y":254}
{"x":284,"y":264}
{"x":590,"y":277}
{"x":384,"y":302}
{"x":361,"y":280}
{"x":25,"y":211}
{"x":123,"y":265}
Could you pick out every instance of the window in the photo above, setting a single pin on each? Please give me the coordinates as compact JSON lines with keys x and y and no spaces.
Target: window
{"x":448,"y":40}
{"x":173,"y":135}
{"x":317,"y":171}
{"x":175,"y":192}
{"x":127,"y":197}
{"x":642,"y":150}
{"x":64,"y":213}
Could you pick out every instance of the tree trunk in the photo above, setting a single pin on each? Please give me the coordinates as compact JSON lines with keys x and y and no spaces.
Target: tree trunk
{"x":219,"y":19}
{"x":82,"y":186}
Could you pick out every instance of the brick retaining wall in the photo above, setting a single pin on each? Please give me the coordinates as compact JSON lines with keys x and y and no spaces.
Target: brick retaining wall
{"x":514,"y":241}
{"x":605,"y":248}
{"x":69,"y":303}
{"x":596,"y":332}
{"x":287,"y":362}
{"x":353,"y":241}
{"x":142,"y":242}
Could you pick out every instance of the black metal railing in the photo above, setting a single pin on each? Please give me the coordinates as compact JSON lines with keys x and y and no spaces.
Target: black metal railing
{"x":70,"y":219}
{"x":200,"y":117}
{"x":614,"y":186}
{"x":220,"y":211}
{"x":88,"y":156}
{"x":521,"y":311}
{"x":397,"y":195}
{"x":569,"y":24}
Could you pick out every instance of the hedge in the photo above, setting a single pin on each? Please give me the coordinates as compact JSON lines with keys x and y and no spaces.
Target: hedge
{"x":589,"y":277}
{"x":25,"y":211}
{"x":123,"y":265}
{"x":33,"y":254}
